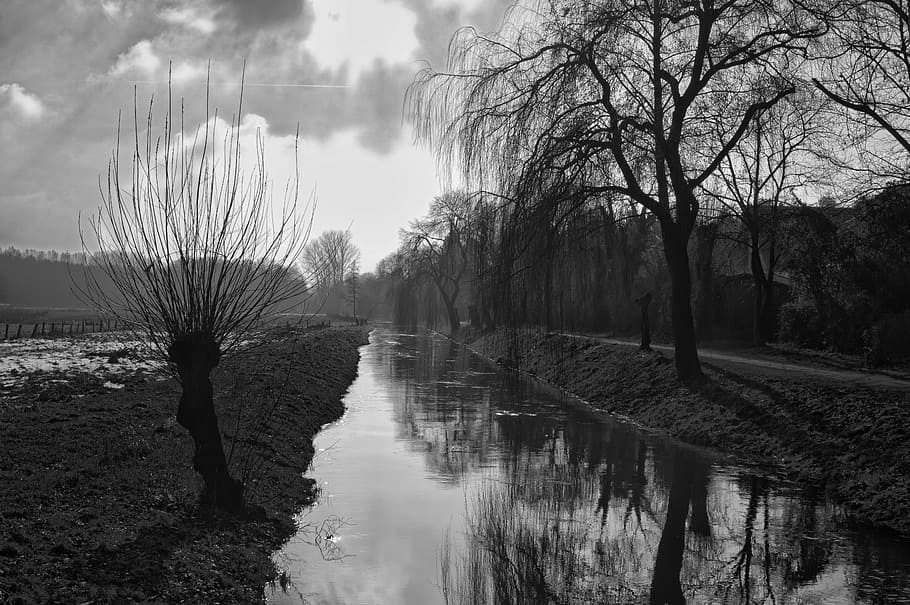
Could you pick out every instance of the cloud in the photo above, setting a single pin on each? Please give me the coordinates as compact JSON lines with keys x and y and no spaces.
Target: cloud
{"x":189,"y":18}
{"x":357,"y":33}
{"x":140,"y":60}
{"x":185,"y":71}
{"x":377,"y":104}
{"x":111,"y":9}
{"x":77,"y":61}
{"x":437,"y":20}
{"x":247,"y":14}
{"x":21,"y":104}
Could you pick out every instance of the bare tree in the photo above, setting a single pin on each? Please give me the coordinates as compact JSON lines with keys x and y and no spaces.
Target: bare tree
{"x":616,"y":95}
{"x":763,"y":174}
{"x":436,"y":249}
{"x":196,"y":252}
{"x":330,"y":258}
{"x":868,"y":73}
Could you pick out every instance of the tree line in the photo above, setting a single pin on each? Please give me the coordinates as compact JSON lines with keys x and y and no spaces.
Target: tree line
{"x":609,"y":148}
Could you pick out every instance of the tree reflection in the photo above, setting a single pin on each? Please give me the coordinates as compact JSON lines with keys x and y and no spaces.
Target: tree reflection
{"x":571,"y":507}
{"x":665,"y":585}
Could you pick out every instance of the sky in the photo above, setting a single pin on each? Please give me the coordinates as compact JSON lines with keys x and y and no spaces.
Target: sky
{"x":333,"y":70}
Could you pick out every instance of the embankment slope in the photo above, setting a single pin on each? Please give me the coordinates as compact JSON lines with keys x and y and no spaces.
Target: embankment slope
{"x":851,"y":439}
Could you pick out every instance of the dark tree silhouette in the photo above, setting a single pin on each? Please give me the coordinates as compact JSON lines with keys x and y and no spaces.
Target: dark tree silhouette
{"x":759,"y":179}
{"x":196,"y":253}
{"x":615,"y":97}
{"x":436,"y":250}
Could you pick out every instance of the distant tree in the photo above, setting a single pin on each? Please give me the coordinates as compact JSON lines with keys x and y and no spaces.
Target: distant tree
{"x":353,"y":275}
{"x":760,"y":177}
{"x":329,"y":259}
{"x":435,"y":249}
{"x":196,"y":254}
{"x":619,"y":97}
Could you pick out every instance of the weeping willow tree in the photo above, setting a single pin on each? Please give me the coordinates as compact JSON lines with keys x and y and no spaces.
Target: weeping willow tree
{"x":619,"y":97}
{"x":190,"y":249}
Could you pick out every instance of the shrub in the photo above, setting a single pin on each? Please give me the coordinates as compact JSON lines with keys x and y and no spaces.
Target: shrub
{"x":888,"y":340}
{"x":801,"y":324}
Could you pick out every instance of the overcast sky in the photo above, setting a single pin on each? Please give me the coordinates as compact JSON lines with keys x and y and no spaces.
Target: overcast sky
{"x":68,"y":66}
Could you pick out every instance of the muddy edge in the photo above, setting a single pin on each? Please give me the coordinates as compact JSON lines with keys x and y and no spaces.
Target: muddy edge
{"x":98,"y":503}
{"x":849,"y":440}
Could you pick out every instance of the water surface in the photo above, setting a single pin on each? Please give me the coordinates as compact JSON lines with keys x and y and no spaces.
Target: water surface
{"x":451,"y":481}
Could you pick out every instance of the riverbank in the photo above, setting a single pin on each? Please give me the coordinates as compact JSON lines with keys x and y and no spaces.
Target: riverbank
{"x":99,"y":498}
{"x":851,"y":440}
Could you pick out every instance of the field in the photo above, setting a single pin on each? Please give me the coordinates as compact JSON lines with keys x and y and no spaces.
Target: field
{"x":99,"y":503}
{"x":31,"y":322}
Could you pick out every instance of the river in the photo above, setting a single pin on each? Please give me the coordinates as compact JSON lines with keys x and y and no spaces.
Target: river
{"x":449,"y":480}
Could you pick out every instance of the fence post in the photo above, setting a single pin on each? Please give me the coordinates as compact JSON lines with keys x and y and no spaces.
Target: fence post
{"x":42,"y":329}
{"x":34,"y":330}
{"x":19,"y":331}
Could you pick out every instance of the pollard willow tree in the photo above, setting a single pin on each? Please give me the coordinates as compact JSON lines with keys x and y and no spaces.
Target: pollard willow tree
{"x":616,"y":96}
{"x":189,"y":253}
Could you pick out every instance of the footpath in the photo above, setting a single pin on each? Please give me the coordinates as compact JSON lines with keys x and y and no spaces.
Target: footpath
{"x":766,"y":362}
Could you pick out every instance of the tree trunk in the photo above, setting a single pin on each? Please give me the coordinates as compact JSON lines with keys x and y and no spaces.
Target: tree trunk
{"x":685,"y":348}
{"x":454,"y":321}
{"x":449,"y":302}
{"x":767,"y":317}
{"x":761,"y":296}
{"x":665,"y":584}
{"x":644,"y":302}
{"x":195,"y":360}
{"x":705,"y":240}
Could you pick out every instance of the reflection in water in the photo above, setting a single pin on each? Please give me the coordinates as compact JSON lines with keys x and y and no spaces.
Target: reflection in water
{"x":546,"y":501}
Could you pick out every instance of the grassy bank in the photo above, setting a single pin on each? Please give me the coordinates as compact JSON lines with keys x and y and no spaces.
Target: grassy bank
{"x":99,"y":500}
{"x":849,"y":439}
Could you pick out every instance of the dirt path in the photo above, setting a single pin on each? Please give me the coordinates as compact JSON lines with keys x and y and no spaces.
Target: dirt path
{"x":760,"y":365}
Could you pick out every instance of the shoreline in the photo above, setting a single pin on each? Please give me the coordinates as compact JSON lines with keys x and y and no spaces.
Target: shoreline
{"x":100,"y":497}
{"x":848,"y":440}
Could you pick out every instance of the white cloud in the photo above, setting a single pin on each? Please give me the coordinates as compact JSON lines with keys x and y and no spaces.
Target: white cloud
{"x":467,"y":5}
{"x":360,"y":32}
{"x":22,"y":104}
{"x":375,"y":194}
{"x":111,"y":9}
{"x":189,"y":18}
{"x":186,"y":72}
{"x":140,"y":60}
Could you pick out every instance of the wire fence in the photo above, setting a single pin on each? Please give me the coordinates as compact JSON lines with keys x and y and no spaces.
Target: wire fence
{"x":46,"y":329}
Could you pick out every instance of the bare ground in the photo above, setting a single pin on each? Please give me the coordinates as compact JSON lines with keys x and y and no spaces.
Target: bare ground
{"x":99,"y":500}
{"x":849,"y":437}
